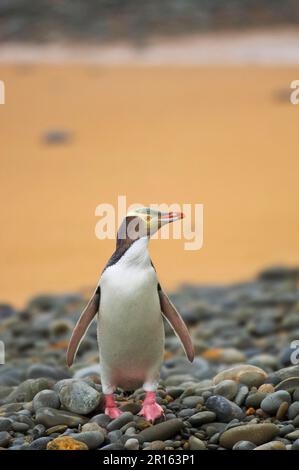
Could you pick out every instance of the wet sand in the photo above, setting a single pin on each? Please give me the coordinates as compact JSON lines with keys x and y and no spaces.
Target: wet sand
{"x":226,"y":137}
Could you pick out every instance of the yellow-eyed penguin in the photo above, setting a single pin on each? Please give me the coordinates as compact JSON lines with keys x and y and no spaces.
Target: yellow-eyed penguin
{"x":130,"y":303}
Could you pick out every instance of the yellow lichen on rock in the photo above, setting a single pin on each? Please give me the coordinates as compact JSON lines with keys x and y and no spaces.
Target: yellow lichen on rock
{"x":66,"y":443}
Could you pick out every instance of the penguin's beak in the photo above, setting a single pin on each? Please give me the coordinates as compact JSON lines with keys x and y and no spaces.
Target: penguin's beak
{"x":168,"y":217}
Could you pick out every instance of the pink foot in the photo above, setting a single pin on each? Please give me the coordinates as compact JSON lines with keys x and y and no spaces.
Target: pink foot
{"x":111,"y":409}
{"x":151,"y":410}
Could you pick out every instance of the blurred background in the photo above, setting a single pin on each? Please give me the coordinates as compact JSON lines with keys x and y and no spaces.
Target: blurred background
{"x":174,"y":101}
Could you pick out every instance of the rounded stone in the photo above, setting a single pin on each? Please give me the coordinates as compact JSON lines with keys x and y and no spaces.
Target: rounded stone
{"x":227,"y":389}
{"x":295,"y":445}
{"x":266,"y":388}
{"x":50,"y":417}
{"x":254,"y":399}
{"x":132,"y":444}
{"x":293,"y":410}
{"x":5,"y":438}
{"x":282,"y":410}
{"x":224,"y":409}
{"x":119,"y":422}
{"x":161,"y":431}
{"x":273,"y":445}
{"x":93,"y":439}
{"x":202,"y":417}
{"x":40,"y":443}
{"x":79,"y":397}
{"x":256,"y":433}
{"x":47,"y":398}
{"x":271,"y":403}
{"x":192,"y":401}
{"x":66,"y":443}
{"x":196,"y":444}
{"x":244,"y":445}
{"x":5,"y":424}
{"x":249,"y":375}
{"x":20,"y":427}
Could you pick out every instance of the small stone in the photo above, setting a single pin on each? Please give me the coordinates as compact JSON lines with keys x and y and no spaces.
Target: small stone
{"x":79,"y":397}
{"x":66,"y":443}
{"x":93,"y":439}
{"x":295,"y":445}
{"x":114,"y":436}
{"x":92,"y":426}
{"x":40,"y":443}
{"x":293,"y":436}
{"x":27,"y":390}
{"x":192,"y":401}
{"x":132,"y":444}
{"x":249,"y":375}
{"x":272,"y":401}
{"x":132,"y":407}
{"x":156,"y":445}
{"x":119,"y":422}
{"x":224,"y":409}
{"x":241,"y":395}
{"x":244,"y":445}
{"x":5,"y":438}
{"x":293,"y":410}
{"x":161,"y":431}
{"x":255,"y":399}
{"x":46,"y":398}
{"x":5,"y":424}
{"x":256,"y":433}
{"x":19,"y":427}
{"x":286,"y":430}
{"x":196,"y":444}
{"x":116,"y":446}
{"x":50,"y":417}
{"x":266,"y":388}
{"x":273,"y":445}
{"x":101,"y":419}
{"x":282,"y":410}
{"x":60,"y":428}
{"x":42,"y":370}
{"x":290,"y":385}
{"x":285,"y":373}
{"x":202,"y":417}
{"x":227,"y":389}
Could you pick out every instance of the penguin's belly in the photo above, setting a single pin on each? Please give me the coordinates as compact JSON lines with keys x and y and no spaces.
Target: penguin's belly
{"x":130,"y":329}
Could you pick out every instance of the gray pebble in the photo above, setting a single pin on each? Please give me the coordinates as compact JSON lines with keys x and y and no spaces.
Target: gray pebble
{"x":114,"y":436}
{"x":293,"y":410}
{"x":5,"y":438}
{"x":79,"y":397}
{"x":202,"y":418}
{"x":119,"y":422}
{"x":93,"y":439}
{"x":40,"y":443}
{"x":244,"y":445}
{"x":5,"y":424}
{"x":132,"y":444}
{"x":224,"y":409}
{"x":227,"y":389}
{"x":272,"y":401}
{"x":48,"y":398}
{"x":20,"y":427}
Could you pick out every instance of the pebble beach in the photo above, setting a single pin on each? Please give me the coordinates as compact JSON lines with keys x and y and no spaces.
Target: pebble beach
{"x":240,"y":393}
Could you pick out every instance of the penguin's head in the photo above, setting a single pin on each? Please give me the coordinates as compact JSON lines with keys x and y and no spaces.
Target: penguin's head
{"x":147,"y":221}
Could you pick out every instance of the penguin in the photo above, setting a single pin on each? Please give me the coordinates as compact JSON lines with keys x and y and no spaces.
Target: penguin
{"x":130,"y":305}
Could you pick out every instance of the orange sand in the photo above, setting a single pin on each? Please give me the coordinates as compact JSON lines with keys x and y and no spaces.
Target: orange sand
{"x":215,"y":135}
